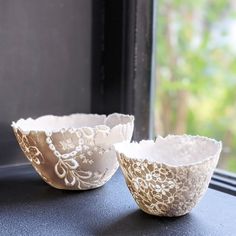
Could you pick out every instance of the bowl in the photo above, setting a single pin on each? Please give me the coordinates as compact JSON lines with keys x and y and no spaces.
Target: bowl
{"x":168,"y":177}
{"x":73,"y":152}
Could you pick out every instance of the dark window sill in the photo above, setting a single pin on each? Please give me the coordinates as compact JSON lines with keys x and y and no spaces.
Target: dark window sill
{"x":28,"y":206}
{"x":224,"y":181}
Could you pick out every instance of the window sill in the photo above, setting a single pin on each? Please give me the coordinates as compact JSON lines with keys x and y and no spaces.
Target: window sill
{"x":224,"y":181}
{"x":28,"y":206}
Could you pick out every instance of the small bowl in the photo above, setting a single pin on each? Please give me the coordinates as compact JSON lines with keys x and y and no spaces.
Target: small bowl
{"x":168,"y":177}
{"x":74,"y":152}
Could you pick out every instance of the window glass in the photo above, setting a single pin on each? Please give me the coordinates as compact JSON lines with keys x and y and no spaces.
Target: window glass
{"x":196,"y":71}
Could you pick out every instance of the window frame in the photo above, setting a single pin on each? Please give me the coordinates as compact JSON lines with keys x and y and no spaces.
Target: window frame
{"x":124,"y":76}
{"x":124,"y":69}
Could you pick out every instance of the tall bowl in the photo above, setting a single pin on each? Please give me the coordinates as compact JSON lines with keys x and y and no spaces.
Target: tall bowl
{"x":73,"y":152}
{"x":168,"y":177}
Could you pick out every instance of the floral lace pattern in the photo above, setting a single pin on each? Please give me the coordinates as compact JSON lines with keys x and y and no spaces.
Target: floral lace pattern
{"x":28,"y":147}
{"x":83,"y":146}
{"x":67,"y":170}
{"x":82,"y":142}
{"x":162,"y":190}
{"x":80,"y":158}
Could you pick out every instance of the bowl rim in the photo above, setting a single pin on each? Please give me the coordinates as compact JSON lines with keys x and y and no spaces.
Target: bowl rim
{"x":15,"y":124}
{"x":153,"y":162}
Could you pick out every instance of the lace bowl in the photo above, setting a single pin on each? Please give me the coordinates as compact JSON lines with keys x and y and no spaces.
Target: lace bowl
{"x":73,"y":152}
{"x":168,"y":177}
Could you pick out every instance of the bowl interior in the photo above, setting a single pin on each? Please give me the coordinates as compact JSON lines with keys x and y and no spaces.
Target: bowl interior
{"x":56,"y":123}
{"x":173,"y":150}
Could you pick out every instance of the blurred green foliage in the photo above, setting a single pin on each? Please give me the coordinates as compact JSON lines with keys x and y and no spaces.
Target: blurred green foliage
{"x":196,"y":71}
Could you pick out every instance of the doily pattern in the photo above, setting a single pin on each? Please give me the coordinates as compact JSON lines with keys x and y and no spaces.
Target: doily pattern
{"x":163,"y":190}
{"x":82,"y":158}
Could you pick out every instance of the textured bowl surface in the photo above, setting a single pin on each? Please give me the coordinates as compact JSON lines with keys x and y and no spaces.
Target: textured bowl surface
{"x":168,"y":177}
{"x":76,"y":151}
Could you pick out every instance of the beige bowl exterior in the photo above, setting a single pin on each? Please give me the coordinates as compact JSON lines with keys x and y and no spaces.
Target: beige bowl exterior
{"x":164,"y":190}
{"x":75,"y":159}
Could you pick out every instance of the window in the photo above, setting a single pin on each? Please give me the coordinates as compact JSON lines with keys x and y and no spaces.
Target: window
{"x":196,"y":72}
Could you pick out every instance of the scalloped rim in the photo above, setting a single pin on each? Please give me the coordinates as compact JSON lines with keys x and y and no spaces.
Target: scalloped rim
{"x":127,"y":157}
{"x":16,"y":126}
